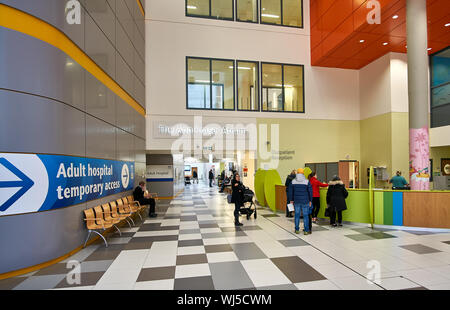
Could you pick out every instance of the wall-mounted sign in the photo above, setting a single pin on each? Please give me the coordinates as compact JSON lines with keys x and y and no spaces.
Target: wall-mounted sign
{"x":159,"y":173}
{"x":34,"y":182}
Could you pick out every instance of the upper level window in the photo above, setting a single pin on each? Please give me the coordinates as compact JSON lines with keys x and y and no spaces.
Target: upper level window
{"x":219,"y":9}
{"x":282,"y":12}
{"x":273,"y":12}
{"x":247,"y":85}
{"x":247,"y":10}
{"x":440,"y":89}
{"x":282,"y":88}
{"x":210,"y":84}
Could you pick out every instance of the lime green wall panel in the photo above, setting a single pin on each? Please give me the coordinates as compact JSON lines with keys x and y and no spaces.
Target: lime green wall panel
{"x":357,"y":206}
{"x":379,"y":207}
{"x":388,"y":208}
{"x":271,"y":179}
{"x":259,"y":186}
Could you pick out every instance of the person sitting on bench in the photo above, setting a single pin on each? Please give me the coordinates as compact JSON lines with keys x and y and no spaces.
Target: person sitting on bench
{"x":144,"y":199}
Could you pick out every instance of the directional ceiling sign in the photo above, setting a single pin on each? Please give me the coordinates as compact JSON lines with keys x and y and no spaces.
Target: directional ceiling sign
{"x":34,"y":182}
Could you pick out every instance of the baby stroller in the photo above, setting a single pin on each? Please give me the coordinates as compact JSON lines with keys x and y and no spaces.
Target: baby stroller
{"x":248,"y":207}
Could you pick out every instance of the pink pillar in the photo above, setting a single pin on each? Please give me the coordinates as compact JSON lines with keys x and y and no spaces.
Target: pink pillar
{"x":419,"y":154}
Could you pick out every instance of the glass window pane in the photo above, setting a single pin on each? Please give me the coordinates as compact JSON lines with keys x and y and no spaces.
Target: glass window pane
{"x":247,"y":10}
{"x":222,"y":9}
{"x":292,"y":13}
{"x":440,"y":95}
{"x":272,"y":82}
{"x":248,"y":97}
{"x":293,"y":88}
{"x":223,"y":79}
{"x":198,"y":7}
{"x":271,"y":11}
{"x":198,"y":83}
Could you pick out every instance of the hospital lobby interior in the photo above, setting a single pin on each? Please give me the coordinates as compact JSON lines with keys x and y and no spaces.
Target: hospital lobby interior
{"x":225,"y":145}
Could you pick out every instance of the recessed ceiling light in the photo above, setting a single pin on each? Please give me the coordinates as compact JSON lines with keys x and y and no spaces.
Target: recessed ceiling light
{"x":270,"y":15}
{"x":447,"y":25}
{"x":395,"y":17}
{"x":69,"y":64}
{"x":429,"y":49}
{"x":361,"y":41}
{"x":385,"y":43}
{"x":192,"y":7}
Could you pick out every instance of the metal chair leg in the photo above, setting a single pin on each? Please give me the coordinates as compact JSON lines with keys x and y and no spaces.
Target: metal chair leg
{"x":132,"y":221}
{"x":120,"y":233}
{"x":126,"y":219}
{"x":106,"y":243}
{"x":89,"y":234}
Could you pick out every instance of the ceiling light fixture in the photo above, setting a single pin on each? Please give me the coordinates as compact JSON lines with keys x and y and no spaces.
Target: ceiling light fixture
{"x":395,"y":17}
{"x":447,"y":25}
{"x":361,"y":41}
{"x":385,"y":43}
{"x":429,"y":49}
{"x":192,"y":7}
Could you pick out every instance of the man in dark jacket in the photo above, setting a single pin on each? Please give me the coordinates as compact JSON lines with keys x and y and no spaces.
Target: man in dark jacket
{"x":300,"y":194}
{"x":336,"y":196}
{"x":288,"y":182}
{"x":210,"y":177}
{"x":237,"y":197}
{"x":144,"y":199}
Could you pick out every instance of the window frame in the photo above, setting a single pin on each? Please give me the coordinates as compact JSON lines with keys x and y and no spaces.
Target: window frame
{"x":246,"y":21}
{"x":258,"y":82}
{"x":433,"y":87}
{"x":282,"y":17}
{"x":211,"y":84}
{"x":210,"y":12}
{"x":283,"y":87}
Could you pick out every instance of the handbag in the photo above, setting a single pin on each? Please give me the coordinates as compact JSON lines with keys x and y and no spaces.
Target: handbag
{"x":229,"y":198}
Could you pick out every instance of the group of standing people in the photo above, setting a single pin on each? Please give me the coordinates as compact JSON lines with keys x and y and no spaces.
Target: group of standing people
{"x":304,"y":194}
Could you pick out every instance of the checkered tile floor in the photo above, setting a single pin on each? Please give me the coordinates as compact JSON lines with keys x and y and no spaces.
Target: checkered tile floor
{"x":193,"y":244}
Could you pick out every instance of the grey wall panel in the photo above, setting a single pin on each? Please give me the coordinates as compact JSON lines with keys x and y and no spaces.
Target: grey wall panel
{"x":125,"y":116}
{"x":99,"y":48}
{"x":102,"y":13}
{"x":33,"y":66}
{"x":112,"y":4}
{"x":137,"y":16}
{"x":139,"y":67}
{"x":125,"y":24}
{"x":100,"y":139}
{"x":139,"y":122}
{"x":124,"y":46}
{"x":53,"y":12}
{"x":125,"y":146}
{"x":39,"y":237}
{"x":163,"y":189}
{"x":140,"y":170}
{"x":139,"y":44}
{"x":125,"y":77}
{"x":159,"y":159}
{"x":139,"y":91}
{"x":139,"y":148}
{"x":37,"y":125}
{"x":100,"y":101}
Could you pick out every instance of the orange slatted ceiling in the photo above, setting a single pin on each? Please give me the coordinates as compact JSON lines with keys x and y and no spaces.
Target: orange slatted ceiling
{"x":337,"y":26}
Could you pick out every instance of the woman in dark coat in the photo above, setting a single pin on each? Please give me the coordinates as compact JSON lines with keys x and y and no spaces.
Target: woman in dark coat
{"x":237,"y":196}
{"x":336,"y":196}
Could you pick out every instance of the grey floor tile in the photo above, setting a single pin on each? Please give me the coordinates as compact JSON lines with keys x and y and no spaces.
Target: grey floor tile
{"x":196,"y":242}
{"x":246,"y":251}
{"x":237,"y":233}
{"x":319,"y":228}
{"x":95,"y":265}
{"x":213,"y":235}
{"x":197,"y":283}
{"x":270,"y":215}
{"x":104,"y":255}
{"x":60,"y":268}
{"x":230,"y":229}
{"x":420,"y":232}
{"x":159,"y":273}
{"x":208,"y":225}
{"x":253,"y":227}
{"x":138,"y":245}
{"x":296,"y":270}
{"x":360,"y":237}
{"x":380,"y":235}
{"x":86,"y":279}
{"x":192,"y":259}
{"x":40,"y":282}
{"x":215,"y":248}
{"x":293,"y":242}
{"x":419,"y":248}
{"x":447,"y":242}
{"x":188,"y":218}
{"x":189,"y":231}
{"x":9,"y":284}
{"x":284,"y":287}
{"x":154,"y":238}
{"x":230,"y":275}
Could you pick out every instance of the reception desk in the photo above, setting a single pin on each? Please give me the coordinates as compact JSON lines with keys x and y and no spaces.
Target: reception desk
{"x":427,"y":209}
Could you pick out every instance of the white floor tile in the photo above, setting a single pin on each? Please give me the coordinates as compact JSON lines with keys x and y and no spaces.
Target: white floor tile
{"x":187,"y":250}
{"x":263,"y":272}
{"x":189,"y":271}
{"x":189,"y":236}
{"x":317,"y":285}
{"x":155,"y":285}
{"x":354,"y":283}
{"x":221,"y":257}
{"x":212,"y":241}
{"x":397,"y":283}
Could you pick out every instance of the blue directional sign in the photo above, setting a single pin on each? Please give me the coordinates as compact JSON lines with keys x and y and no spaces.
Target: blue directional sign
{"x":34,"y":182}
